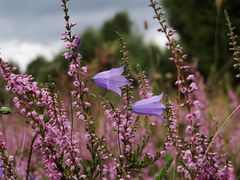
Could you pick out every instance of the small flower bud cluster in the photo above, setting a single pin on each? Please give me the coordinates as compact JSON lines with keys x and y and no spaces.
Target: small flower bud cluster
{"x":125,"y":123}
{"x":71,"y":42}
{"x":171,"y":124}
{"x":233,"y":44}
{"x":47,"y":118}
{"x":127,"y":118}
{"x":145,"y":90}
{"x":80,"y":94}
{"x":201,"y":165}
{"x":185,"y":79}
{"x":192,"y":144}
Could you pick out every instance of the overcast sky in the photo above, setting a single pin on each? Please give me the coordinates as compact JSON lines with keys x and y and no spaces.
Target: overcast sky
{"x":33,"y":27}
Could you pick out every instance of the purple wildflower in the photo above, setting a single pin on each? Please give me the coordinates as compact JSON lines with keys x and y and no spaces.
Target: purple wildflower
{"x":31,"y":177}
{"x":77,"y":43}
{"x":112,"y":80}
{"x":1,"y":172}
{"x":150,"y":106}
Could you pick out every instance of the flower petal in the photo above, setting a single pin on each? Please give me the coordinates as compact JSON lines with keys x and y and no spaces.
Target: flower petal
{"x":116,"y":89}
{"x":101,"y":82}
{"x":112,"y":80}
{"x":117,"y":71}
{"x":118,"y":80}
{"x":149,"y":100}
{"x":101,"y":75}
{"x":150,"y":109}
{"x":151,"y":106}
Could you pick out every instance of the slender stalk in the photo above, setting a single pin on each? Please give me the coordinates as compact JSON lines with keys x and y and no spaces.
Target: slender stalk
{"x":30,"y":156}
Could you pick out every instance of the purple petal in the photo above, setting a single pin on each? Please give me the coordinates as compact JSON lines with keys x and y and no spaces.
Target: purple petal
{"x":151,"y":106}
{"x":1,"y":172}
{"x":149,"y":100}
{"x":102,"y":75}
{"x":110,"y":73}
{"x":101,"y":82}
{"x":77,"y":43}
{"x":149,"y":109}
{"x":111,"y":80}
{"x":117,"y":71}
{"x":118,"y":80}
{"x":116,"y":90}
{"x":115,"y":85}
{"x":31,"y":177}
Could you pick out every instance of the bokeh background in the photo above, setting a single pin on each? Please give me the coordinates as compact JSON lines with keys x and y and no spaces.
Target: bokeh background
{"x":31,"y":28}
{"x":31,"y":32}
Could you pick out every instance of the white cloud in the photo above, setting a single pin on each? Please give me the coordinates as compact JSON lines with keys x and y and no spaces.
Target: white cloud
{"x":153,"y":36}
{"x":23,"y":38}
{"x":23,"y":52}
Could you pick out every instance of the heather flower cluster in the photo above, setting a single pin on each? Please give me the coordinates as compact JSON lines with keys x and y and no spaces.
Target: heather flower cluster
{"x":143,"y":136}
{"x":192,"y":147}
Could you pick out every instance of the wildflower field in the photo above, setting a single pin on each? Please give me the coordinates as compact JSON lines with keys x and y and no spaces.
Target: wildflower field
{"x":108,"y":116}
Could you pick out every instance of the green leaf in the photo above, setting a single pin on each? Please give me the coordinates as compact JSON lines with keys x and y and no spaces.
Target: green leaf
{"x":164,"y":170}
{"x":5,"y":110}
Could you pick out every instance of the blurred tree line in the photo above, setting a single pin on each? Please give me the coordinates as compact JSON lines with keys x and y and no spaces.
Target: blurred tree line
{"x":100,"y":51}
{"x":203,"y":33}
{"x":201,"y":29}
{"x":200,"y":26}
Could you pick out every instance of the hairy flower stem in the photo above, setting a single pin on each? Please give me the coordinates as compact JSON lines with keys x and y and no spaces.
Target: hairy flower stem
{"x":30,"y":156}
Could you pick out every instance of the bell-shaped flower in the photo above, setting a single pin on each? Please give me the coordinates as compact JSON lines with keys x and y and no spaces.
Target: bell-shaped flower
{"x":112,"y":80}
{"x":151,"y":106}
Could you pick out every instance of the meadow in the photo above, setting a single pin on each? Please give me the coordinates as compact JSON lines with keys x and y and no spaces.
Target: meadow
{"x":111,"y":117}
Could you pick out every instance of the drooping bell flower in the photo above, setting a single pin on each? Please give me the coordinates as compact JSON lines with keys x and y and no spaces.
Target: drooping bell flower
{"x":112,"y":80}
{"x":150,"y":106}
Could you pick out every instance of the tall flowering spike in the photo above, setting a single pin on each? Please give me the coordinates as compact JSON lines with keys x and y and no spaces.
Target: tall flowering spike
{"x":151,"y":106}
{"x":112,"y":80}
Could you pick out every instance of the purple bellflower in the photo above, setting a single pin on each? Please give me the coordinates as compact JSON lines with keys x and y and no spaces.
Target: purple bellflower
{"x":76,"y":43}
{"x":1,"y":172}
{"x":112,"y":80}
{"x":150,"y":106}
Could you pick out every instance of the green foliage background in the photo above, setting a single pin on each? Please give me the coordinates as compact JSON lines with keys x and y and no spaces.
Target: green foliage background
{"x":100,"y":51}
{"x":203,"y":33}
{"x":201,"y":29}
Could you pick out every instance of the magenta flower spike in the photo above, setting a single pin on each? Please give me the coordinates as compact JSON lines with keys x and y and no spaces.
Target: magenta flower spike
{"x":112,"y":80}
{"x":151,"y":106}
